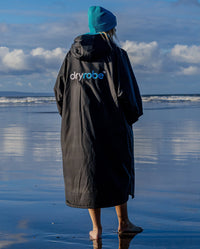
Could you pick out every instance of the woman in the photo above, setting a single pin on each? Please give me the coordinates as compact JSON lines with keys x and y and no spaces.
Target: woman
{"x":99,"y":100}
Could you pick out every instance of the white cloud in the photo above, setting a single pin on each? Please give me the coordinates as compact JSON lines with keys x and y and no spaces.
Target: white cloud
{"x":48,"y":54}
{"x":47,"y":58}
{"x":184,"y":53}
{"x":15,"y":60}
{"x":150,"y":58}
{"x":191,"y":70}
{"x":37,"y":60}
{"x":147,"y":56}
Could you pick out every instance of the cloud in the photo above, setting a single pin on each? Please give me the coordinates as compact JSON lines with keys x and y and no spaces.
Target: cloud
{"x":191,"y":70}
{"x":144,"y":56}
{"x":186,"y":58}
{"x":15,"y":60}
{"x":184,"y":53}
{"x":150,"y":58}
{"x":147,"y":59}
{"x":49,"y":57}
{"x":37,"y":60}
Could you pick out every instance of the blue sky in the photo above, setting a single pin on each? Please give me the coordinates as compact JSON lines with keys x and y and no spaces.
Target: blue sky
{"x":162,"y":38}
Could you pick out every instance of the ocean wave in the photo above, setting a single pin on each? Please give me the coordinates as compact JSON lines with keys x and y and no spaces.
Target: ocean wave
{"x":25,"y":100}
{"x":171,"y":98}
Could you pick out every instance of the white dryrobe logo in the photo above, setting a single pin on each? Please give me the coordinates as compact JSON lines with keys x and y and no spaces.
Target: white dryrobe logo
{"x":92,"y":75}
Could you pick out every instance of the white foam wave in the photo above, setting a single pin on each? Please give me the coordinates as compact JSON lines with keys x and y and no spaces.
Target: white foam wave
{"x":25,"y":100}
{"x":171,"y":98}
{"x":147,"y":98}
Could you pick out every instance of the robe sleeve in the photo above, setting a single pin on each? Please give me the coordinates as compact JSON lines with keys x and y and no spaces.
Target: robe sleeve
{"x":127,"y":91}
{"x":60,"y":86}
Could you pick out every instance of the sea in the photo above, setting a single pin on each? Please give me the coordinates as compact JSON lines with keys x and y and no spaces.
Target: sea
{"x":33,"y":213}
{"x":24,"y":98}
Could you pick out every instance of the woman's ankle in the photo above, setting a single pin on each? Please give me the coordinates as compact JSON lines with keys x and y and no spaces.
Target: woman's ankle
{"x":99,"y":228}
{"x":128,"y":226}
{"x":123,"y":223}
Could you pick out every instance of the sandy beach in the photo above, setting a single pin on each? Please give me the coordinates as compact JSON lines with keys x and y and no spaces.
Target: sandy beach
{"x":33,"y":213}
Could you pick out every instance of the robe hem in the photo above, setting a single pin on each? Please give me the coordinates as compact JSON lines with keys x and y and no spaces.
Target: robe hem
{"x":113,"y":204}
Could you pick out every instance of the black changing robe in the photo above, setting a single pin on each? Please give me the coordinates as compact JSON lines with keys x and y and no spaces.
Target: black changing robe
{"x":98,"y":98}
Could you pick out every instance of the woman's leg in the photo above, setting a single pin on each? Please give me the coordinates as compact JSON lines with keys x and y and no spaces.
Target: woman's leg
{"x":125,"y":226}
{"x":95,"y":215}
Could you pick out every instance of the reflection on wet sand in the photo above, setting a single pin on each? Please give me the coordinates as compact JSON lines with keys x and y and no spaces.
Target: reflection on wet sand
{"x":185,"y":141}
{"x":124,"y":241}
{"x":14,"y":140}
{"x":167,"y":143}
{"x":97,"y":244}
{"x":178,"y":141}
{"x":11,"y":239}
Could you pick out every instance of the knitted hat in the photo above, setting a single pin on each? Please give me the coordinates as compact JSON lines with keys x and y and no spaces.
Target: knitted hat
{"x":100,"y":19}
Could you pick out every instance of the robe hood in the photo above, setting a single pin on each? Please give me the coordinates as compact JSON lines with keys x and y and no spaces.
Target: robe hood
{"x":90,"y":47}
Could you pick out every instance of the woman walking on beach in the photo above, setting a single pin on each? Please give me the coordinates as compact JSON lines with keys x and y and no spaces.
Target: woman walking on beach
{"x":98,"y":98}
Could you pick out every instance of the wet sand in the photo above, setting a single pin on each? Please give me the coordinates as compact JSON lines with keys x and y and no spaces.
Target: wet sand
{"x":33,"y":213}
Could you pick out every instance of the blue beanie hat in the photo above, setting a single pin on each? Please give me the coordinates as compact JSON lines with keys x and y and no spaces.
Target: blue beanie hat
{"x":100,"y":19}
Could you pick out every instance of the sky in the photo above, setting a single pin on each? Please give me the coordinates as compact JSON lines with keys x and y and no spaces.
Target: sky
{"x":162,"y":38}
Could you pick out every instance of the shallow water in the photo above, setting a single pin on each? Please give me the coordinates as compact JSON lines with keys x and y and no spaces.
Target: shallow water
{"x":33,"y":213}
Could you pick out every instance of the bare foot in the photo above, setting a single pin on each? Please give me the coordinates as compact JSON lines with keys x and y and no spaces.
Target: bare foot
{"x":95,"y":234}
{"x":127,"y":227}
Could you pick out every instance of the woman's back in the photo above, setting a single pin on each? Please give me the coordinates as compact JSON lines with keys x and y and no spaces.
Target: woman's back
{"x":96,"y":137}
